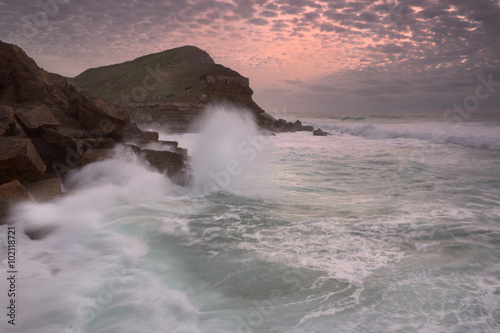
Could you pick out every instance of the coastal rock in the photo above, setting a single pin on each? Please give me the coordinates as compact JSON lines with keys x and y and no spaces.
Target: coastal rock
{"x":173,"y":164}
{"x":95,"y":114}
{"x":32,"y":121}
{"x":319,"y":132}
{"x":94,"y":155}
{"x":7,"y":121}
{"x":19,"y":160}
{"x":44,"y":190}
{"x":11,"y":193}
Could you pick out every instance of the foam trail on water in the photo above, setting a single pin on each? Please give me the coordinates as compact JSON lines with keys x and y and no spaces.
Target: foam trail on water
{"x":230,"y":153}
{"x":89,"y":271}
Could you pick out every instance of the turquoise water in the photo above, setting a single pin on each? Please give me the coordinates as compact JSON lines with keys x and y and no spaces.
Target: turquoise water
{"x":387,"y":225}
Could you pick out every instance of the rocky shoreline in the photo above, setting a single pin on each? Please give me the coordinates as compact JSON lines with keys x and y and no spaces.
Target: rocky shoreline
{"x":48,"y":128}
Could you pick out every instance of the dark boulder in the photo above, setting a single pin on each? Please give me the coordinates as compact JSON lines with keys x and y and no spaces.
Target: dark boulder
{"x":44,"y":190}
{"x":319,"y":132}
{"x":11,"y":193}
{"x":95,"y":114}
{"x":33,"y":120}
{"x":19,"y":160}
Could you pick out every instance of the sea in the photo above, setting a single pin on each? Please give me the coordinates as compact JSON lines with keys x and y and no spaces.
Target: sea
{"x":389,"y":224}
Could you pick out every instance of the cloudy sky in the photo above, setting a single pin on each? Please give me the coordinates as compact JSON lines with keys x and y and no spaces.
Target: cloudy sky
{"x":330,"y":56}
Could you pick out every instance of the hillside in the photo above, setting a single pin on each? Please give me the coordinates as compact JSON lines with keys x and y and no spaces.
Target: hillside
{"x":172,"y":87}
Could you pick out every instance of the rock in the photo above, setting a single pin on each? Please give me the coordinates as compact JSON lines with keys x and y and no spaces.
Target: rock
{"x":319,"y":132}
{"x":10,"y":194}
{"x":56,"y":137}
{"x":19,"y":160}
{"x":95,"y":114}
{"x":173,"y":164}
{"x":22,"y":80}
{"x":93,"y":155}
{"x":44,"y":190}
{"x":7,"y":121}
{"x":32,"y":121}
{"x":148,"y":135}
{"x":133,"y":128}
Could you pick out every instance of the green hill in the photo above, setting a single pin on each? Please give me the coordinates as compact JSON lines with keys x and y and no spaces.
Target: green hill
{"x":172,"y":87}
{"x":183,"y":72}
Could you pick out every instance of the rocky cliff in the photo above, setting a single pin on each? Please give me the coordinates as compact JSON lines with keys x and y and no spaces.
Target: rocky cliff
{"x":48,"y":127}
{"x":172,"y":87}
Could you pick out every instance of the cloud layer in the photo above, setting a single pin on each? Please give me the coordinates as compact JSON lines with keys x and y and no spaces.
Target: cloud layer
{"x":340,"y":56}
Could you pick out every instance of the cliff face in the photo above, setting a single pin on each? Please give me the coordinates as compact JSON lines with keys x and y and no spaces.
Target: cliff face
{"x":172,"y":88}
{"x":48,"y":127}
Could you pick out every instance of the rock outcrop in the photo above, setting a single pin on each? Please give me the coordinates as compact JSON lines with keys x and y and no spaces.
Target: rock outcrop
{"x":319,"y":132}
{"x":173,"y":87}
{"x":48,"y":127}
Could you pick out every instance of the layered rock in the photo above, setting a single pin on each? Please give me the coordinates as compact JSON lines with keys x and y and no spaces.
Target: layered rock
{"x":46,"y":124}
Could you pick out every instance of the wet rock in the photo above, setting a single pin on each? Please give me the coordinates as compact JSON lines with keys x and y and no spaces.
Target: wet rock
{"x":94,"y":155}
{"x":319,"y":132}
{"x":10,"y":194}
{"x":173,"y":164}
{"x":44,"y":190}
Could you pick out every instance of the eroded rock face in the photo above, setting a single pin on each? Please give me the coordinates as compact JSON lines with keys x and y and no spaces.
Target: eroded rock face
{"x":19,"y":160}
{"x":46,"y":124}
{"x":62,"y":122}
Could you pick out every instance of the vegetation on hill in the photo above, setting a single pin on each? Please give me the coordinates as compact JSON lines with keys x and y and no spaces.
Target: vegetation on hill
{"x":176,"y":75}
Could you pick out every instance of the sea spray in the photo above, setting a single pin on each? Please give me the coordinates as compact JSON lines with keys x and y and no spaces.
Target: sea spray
{"x":230,"y":153}
{"x":85,"y":269}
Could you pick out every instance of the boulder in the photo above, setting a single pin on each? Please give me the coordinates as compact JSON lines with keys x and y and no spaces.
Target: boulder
{"x":32,"y":121}
{"x":319,"y":132}
{"x":148,"y":135}
{"x":95,"y":114}
{"x":19,"y":160}
{"x":44,"y":190}
{"x":11,"y":193}
{"x":175,"y":165}
{"x":93,"y":155}
{"x":7,"y":121}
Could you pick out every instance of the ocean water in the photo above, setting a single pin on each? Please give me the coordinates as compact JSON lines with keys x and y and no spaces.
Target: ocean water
{"x":390,"y":224}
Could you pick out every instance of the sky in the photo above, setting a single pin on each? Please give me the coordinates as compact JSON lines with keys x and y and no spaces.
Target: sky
{"x":301,"y":56}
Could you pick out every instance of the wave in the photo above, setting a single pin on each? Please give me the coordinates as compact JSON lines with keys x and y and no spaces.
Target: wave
{"x":477,"y":135}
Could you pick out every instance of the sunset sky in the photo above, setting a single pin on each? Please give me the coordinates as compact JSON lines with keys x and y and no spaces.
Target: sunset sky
{"x":337,"y":57}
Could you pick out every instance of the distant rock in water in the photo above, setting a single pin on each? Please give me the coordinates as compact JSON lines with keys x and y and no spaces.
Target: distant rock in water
{"x":172,"y":87}
{"x":48,"y":127}
{"x":319,"y":132}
